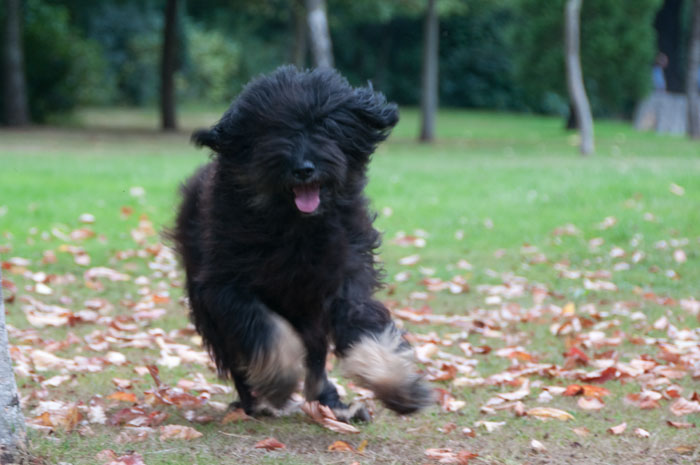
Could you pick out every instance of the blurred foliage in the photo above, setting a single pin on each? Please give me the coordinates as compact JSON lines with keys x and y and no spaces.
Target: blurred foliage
{"x":475,"y":60}
{"x":213,"y":65}
{"x":618,"y":45}
{"x":63,"y":68}
{"x":500,"y":54}
{"x":130,"y":36}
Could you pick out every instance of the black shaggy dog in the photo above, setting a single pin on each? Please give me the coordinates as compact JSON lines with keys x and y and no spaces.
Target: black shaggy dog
{"x":278,"y":245}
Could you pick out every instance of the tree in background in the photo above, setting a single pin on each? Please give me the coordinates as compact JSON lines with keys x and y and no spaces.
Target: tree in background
{"x":429,"y":73}
{"x":319,"y":34}
{"x":692,"y":77}
{"x":12,"y":436}
{"x":618,"y":45}
{"x":15,"y":108}
{"x":300,"y":31}
{"x":167,"y":68}
{"x":574,"y":75}
{"x":63,"y":68}
{"x":496,"y":54}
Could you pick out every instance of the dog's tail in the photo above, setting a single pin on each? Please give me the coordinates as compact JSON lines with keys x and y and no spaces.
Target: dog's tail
{"x":383,"y":362}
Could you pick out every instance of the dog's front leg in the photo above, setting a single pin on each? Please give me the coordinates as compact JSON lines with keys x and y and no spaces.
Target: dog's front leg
{"x":375,"y":355}
{"x":317,"y":386}
{"x":260,"y":349}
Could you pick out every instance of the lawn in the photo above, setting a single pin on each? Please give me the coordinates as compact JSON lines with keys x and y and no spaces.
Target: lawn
{"x":519,"y":268}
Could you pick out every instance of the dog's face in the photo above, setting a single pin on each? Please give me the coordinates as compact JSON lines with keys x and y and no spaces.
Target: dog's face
{"x":300,"y":140}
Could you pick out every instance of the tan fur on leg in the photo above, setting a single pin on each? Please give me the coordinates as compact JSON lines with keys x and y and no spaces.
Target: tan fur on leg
{"x":274,"y":374}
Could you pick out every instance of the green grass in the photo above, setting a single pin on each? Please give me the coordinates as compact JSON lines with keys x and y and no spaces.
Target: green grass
{"x":490,"y":185}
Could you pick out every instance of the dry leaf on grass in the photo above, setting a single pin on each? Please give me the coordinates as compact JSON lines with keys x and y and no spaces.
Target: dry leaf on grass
{"x":547,"y":413}
{"x":363,"y":445}
{"x":684,"y":449}
{"x":490,"y":426}
{"x":586,"y":390}
{"x":235,"y":416}
{"x":56,"y":415}
{"x":269,"y":444}
{"x":106,"y":455}
{"x":680,"y":424}
{"x":122,"y":383}
{"x":122,"y":396}
{"x":96,"y":414}
{"x":325,"y":417}
{"x":340,"y":446}
{"x":178,"y":432}
{"x":55,"y":381}
{"x":590,"y":403}
{"x":130,"y":435}
{"x":537,"y":446}
{"x":445,"y":455}
{"x":684,"y":406}
{"x":131,"y":458}
{"x":619,"y":429}
{"x":641,"y":433}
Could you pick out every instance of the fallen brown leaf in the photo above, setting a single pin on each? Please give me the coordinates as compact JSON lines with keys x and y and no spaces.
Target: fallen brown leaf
{"x":680,"y":424}
{"x":106,"y":455}
{"x":340,"y":446}
{"x":363,"y":445}
{"x":684,"y":407}
{"x":546,"y":413}
{"x":269,"y":444}
{"x":537,"y":446}
{"x":684,"y":449}
{"x":490,"y":426}
{"x":590,"y":403}
{"x":325,"y":417}
{"x":129,"y":459}
{"x":445,"y":455}
{"x":235,"y":416}
{"x":178,"y":432}
{"x":122,"y":396}
{"x":619,"y":429}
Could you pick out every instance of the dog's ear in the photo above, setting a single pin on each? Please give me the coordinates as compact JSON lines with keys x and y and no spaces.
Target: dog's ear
{"x":365,"y":120}
{"x":374,"y":111}
{"x":208,"y":137}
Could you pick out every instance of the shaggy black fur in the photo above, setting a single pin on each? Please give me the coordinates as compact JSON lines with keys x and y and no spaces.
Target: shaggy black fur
{"x":277,"y":224}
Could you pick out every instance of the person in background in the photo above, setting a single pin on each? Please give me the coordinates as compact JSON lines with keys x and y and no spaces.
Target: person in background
{"x":657,"y":72}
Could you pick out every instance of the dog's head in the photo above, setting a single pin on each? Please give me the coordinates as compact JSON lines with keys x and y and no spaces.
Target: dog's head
{"x":301,"y":139}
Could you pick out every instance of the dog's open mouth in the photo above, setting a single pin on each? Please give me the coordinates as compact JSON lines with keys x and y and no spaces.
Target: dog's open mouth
{"x":307,"y":197}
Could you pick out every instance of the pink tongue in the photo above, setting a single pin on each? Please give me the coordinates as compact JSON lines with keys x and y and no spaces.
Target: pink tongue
{"x":307,"y":197}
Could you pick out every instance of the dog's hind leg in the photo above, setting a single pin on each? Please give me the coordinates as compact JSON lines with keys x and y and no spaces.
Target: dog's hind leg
{"x":375,"y":355}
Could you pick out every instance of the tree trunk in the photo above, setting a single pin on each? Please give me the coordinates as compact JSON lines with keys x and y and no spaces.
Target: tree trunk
{"x":429,"y":74}
{"x":320,"y":35}
{"x":300,"y":31}
{"x":574,"y":75}
{"x":12,"y":436}
{"x":692,"y":80}
{"x":167,"y":68}
{"x":16,"y":108}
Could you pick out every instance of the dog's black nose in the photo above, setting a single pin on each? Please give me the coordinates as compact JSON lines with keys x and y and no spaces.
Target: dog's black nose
{"x":304,"y":170}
